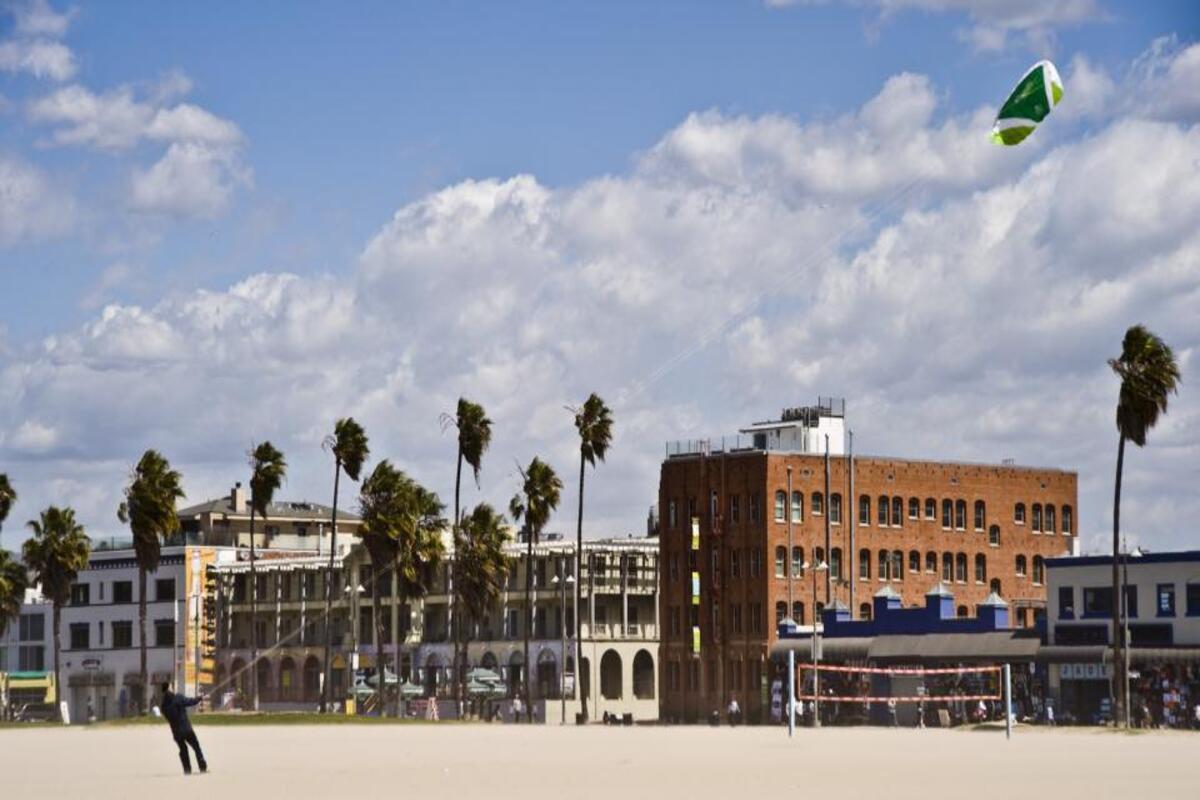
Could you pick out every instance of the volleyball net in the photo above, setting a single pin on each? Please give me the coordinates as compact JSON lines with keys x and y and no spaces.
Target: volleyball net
{"x":854,"y":684}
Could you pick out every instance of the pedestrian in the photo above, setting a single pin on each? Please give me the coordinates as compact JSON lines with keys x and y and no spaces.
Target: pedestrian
{"x":1049,"y":715}
{"x":174,"y":708}
{"x":891,"y":707}
{"x":91,"y":712}
{"x":734,"y":712}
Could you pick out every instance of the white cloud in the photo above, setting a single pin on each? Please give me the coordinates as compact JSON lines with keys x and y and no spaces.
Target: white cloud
{"x":38,"y":18}
{"x":992,"y":20}
{"x":30,"y":207}
{"x":1162,"y":83}
{"x":199,"y":172}
{"x":32,"y":436}
{"x":38,"y":57}
{"x":972,"y":321}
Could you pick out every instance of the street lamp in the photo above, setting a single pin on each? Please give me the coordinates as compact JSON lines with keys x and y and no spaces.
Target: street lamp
{"x":816,"y":649}
{"x":562,"y":634}
{"x":353,"y":617}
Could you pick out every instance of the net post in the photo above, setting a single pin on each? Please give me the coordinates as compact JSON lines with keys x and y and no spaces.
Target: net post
{"x":791,"y":703}
{"x":1007,"y":701}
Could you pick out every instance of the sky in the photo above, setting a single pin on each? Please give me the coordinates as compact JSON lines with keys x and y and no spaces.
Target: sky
{"x":228,"y":222}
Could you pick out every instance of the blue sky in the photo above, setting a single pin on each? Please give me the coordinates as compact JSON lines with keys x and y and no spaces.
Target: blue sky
{"x":166,"y":153}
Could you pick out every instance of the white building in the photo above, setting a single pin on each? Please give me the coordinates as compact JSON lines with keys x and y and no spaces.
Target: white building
{"x":1163,"y":605}
{"x":804,"y":429}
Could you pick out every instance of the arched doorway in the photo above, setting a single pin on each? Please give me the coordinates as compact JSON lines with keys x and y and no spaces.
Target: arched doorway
{"x":287,"y":679}
{"x":312,"y":679}
{"x":643,"y":675}
{"x":515,"y":673}
{"x":547,"y":674}
{"x":263,"y":669}
{"x":433,"y":674}
{"x":488,"y":661}
{"x":610,"y":675}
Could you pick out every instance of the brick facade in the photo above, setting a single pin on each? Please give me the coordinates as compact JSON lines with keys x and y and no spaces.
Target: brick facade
{"x":733,"y":495}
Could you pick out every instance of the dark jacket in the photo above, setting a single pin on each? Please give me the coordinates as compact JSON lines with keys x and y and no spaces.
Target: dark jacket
{"x":174,"y":708}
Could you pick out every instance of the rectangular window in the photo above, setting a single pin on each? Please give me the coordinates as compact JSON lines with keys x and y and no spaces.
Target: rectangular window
{"x":947,"y":514}
{"x":164,"y":589}
{"x":735,"y":509}
{"x":80,"y":594}
{"x":80,"y":636}
{"x":1193,"y":599}
{"x":31,"y":658}
{"x":735,"y":567}
{"x":32,"y":627}
{"x":1097,"y":602}
{"x":164,"y":633}
{"x":301,"y":530}
{"x":754,"y":506}
{"x":1131,"y":606}
{"x":930,"y":508}
{"x":122,"y":591}
{"x":1066,"y":602}
{"x":1166,"y":600}
{"x":672,"y":514}
{"x":736,"y":616}
{"x":122,"y":634}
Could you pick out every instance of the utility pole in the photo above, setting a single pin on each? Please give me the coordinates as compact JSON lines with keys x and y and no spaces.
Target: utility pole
{"x":828,"y":532}
{"x":849,"y":514}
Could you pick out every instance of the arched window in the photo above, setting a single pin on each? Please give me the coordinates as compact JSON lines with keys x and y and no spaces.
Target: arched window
{"x":930,"y":508}
{"x":1037,"y":517}
{"x":780,"y":612}
{"x":1019,"y":513}
{"x":864,"y":611}
{"x":864,"y":564}
{"x":897,"y":565}
{"x":797,"y":560}
{"x":1021,"y":566}
{"x":798,"y":612}
{"x":1050,"y":526}
{"x":882,"y":511}
{"x":864,"y":510}
{"x":914,"y":561}
{"x":1039,"y":570}
{"x":735,"y":511}
{"x":835,"y":509}
{"x":960,"y":567}
{"x":980,"y":568}
{"x":914,"y":508}
{"x":818,"y":555}
{"x":994,"y":536}
{"x":897,"y":511}
{"x":780,"y":562}
{"x":995,"y":585}
{"x":780,"y":505}
{"x":960,"y":515}
{"x":885,"y":565}
{"x":980,"y":515}
{"x":962,"y":612}
{"x":1067,"y":521}
{"x":835,"y":562}
{"x":818,"y":503}
{"x":931,"y":562}
{"x":797,"y":506}
{"x":947,"y":514}
{"x":947,"y":567}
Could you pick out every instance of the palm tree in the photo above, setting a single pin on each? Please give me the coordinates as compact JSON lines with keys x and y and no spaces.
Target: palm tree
{"x":481,"y":566}
{"x":350,"y":450}
{"x":382,"y":500}
{"x":8,"y":496}
{"x":57,"y":551}
{"x":267,"y":471}
{"x":149,"y":510}
{"x":420,"y":547}
{"x":13,"y":583}
{"x":538,"y":499}
{"x":474,"y":436}
{"x":1148,"y":373}
{"x":594,"y":423}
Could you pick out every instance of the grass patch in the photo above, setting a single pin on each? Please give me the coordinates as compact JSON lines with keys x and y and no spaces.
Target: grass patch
{"x":19,"y":725}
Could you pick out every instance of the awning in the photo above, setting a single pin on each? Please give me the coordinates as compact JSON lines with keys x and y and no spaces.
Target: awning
{"x":990,"y":647}
{"x":1102,"y":654}
{"x":849,"y":648}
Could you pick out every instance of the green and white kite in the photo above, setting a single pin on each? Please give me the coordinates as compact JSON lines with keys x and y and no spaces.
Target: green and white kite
{"x":1039,"y":90}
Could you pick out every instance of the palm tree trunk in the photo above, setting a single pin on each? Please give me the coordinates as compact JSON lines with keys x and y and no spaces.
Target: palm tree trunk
{"x":58,"y":693}
{"x":145,"y":699}
{"x":337,"y":472}
{"x":380,"y":665}
{"x":455,"y":606}
{"x":253,"y":621}
{"x":528,"y":622}
{"x":1118,"y":600}
{"x":578,"y":593}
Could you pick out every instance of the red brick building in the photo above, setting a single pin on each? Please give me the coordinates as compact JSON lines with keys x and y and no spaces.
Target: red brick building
{"x":976,"y":527}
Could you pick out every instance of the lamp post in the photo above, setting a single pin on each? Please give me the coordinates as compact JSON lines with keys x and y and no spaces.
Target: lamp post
{"x":563,"y":585}
{"x":352,"y":615}
{"x":816,"y":648}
